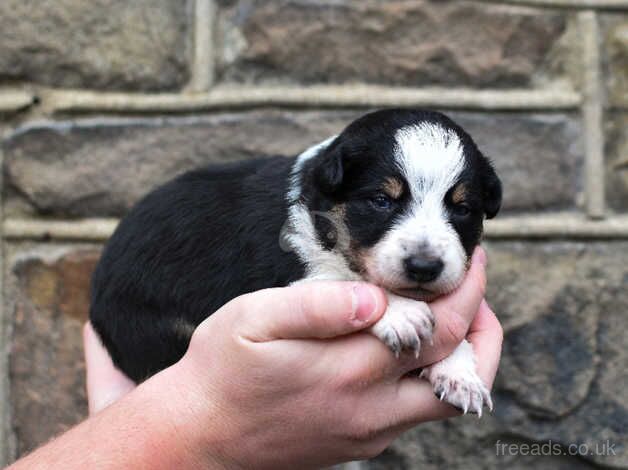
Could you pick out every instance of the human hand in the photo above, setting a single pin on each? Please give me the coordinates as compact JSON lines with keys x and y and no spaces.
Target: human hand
{"x":272,"y":379}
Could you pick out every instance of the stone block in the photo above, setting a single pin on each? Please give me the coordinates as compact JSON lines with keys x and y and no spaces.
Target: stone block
{"x":448,"y":43}
{"x":50,"y":298}
{"x":102,"y":44}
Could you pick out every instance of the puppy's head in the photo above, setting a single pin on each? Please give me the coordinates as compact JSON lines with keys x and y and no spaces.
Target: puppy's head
{"x":403,"y":196}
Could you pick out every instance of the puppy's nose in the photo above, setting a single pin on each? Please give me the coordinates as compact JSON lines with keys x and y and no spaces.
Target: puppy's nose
{"x":421,"y":269}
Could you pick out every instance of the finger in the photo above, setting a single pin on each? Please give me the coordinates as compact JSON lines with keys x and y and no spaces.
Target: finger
{"x":309,"y":310}
{"x":378,"y":410}
{"x":455,"y":312}
{"x":486,"y":335}
{"x":411,"y":401}
{"x":105,"y":384}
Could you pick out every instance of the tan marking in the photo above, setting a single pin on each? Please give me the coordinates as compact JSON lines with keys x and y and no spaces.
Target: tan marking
{"x":460,"y":194}
{"x":339,"y":211}
{"x":349,"y":248}
{"x":393,"y":187}
{"x":183,"y":329}
{"x":356,"y":256}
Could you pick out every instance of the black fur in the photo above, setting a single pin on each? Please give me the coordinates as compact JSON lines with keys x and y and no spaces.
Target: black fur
{"x":184,"y":251}
{"x":213,"y":234}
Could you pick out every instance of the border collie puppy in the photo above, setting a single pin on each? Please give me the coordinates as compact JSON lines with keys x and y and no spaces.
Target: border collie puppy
{"x":397,"y":199}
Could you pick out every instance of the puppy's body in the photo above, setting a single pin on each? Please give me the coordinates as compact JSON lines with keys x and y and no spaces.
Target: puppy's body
{"x":397,"y":199}
{"x":184,"y":251}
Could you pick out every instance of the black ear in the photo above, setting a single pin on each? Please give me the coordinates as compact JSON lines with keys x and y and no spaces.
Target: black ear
{"x":329,"y":171}
{"x":491,"y":191}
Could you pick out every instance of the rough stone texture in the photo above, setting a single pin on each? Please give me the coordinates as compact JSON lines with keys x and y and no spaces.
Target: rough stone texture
{"x":617,"y":161}
{"x":98,"y":168}
{"x":563,"y":371}
{"x":539,"y":158}
{"x":105,"y":44}
{"x":51,"y":299}
{"x":396,"y":42}
{"x":615,"y":42}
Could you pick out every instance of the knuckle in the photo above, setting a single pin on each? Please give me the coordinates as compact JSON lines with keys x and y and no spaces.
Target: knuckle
{"x":456,"y":328}
{"x":302,"y":308}
{"x":482,"y":281}
{"x":365,"y":450}
{"x":499,"y":332}
{"x":495,"y":326}
{"x":375,"y":448}
{"x":244,"y":302}
{"x":362,"y":431}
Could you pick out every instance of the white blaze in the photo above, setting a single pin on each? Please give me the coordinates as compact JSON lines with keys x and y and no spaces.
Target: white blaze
{"x":431,"y":158}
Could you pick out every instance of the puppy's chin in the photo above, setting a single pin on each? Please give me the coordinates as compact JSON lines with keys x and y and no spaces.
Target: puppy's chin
{"x":416,"y":293}
{"x":426,"y":293}
{"x":403,"y":289}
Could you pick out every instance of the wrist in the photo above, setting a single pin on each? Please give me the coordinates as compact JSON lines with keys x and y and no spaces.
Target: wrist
{"x":194,"y":429}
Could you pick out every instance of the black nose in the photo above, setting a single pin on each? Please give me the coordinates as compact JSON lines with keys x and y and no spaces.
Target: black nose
{"x":422,"y":269}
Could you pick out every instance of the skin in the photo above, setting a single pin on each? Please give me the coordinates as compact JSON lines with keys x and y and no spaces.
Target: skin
{"x":294,"y":389}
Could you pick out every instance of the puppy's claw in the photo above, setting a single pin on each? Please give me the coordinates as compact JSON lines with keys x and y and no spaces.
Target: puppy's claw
{"x":391,"y":339}
{"x":487,"y":399}
{"x":465,"y":392}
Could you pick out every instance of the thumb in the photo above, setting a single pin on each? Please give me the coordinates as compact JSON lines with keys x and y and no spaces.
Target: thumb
{"x":309,"y":310}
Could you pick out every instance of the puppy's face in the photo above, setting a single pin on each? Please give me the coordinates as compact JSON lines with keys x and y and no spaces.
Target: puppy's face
{"x":404,"y":195}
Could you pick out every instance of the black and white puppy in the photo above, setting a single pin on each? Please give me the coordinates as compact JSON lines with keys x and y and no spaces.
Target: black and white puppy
{"x":397,"y":199}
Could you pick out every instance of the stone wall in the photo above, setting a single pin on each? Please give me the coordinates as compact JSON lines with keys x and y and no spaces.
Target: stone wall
{"x":102,"y":100}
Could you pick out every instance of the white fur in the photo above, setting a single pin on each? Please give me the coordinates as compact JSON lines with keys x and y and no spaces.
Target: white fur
{"x":431,"y":159}
{"x":405,"y":324}
{"x":456,"y":381}
{"x":300,"y":234}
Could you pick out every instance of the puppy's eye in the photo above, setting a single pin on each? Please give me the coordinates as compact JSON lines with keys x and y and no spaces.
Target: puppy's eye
{"x":381,"y":202}
{"x":461,"y":210}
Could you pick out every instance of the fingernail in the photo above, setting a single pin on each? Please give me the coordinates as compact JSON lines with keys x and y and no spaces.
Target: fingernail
{"x":479,"y":256}
{"x":364,"y":302}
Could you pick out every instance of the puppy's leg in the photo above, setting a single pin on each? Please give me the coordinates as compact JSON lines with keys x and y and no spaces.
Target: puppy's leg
{"x":456,"y":381}
{"x":405,"y":324}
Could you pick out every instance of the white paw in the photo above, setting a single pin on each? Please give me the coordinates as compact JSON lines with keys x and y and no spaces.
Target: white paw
{"x":405,"y":324}
{"x":463,"y":389}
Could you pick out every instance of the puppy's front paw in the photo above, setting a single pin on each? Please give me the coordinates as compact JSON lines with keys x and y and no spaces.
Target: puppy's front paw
{"x":405,"y":324}
{"x":461,"y":388}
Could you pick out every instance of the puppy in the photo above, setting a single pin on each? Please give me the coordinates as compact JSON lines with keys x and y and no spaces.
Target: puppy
{"x":397,"y":199}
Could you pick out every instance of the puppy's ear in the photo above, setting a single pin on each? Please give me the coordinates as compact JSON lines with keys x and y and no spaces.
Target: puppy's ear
{"x":491,"y":190}
{"x":329,"y":171}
